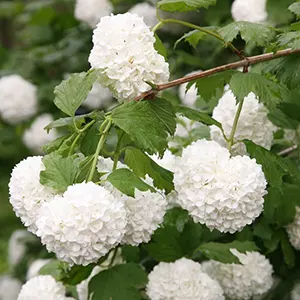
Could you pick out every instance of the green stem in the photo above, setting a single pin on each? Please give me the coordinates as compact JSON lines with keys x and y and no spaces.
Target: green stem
{"x":117,"y":152}
{"x":104,"y":129}
{"x":74,"y":144}
{"x":157,"y":26}
{"x":235,"y":123}
{"x":114,"y":257}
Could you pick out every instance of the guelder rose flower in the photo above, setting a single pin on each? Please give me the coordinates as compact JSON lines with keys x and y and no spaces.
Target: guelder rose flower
{"x":26,"y":192}
{"x":293,"y":230}
{"x":90,"y":11}
{"x":18,"y":99}
{"x":124,"y":52}
{"x":36,"y":136}
{"x":221,"y":192}
{"x":183,"y":279}
{"x":82,"y":225}
{"x":9,"y":288}
{"x":98,"y":97}
{"x":146,"y":11}
{"x":43,"y":287}
{"x":249,"y":10}
{"x":252,"y":277}
{"x":253,"y":115}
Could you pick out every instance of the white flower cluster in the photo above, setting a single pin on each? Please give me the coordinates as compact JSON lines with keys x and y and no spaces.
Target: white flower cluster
{"x":249,"y":10}
{"x":43,"y":287}
{"x":18,"y":99}
{"x":221,"y":192}
{"x":253,"y":115}
{"x":145,"y":11}
{"x":36,"y":136}
{"x":98,"y":97}
{"x":293,"y":230}
{"x":295,"y":294}
{"x":183,"y":279}
{"x":82,"y":225}
{"x":35,"y":267}
{"x":242,"y":281}
{"x":9,"y":288}
{"x":26,"y":193}
{"x":90,"y":11}
{"x":124,"y":52}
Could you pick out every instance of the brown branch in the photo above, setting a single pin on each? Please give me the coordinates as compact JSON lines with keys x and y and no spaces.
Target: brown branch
{"x":288,"y":150}
{"x":242,"y":63}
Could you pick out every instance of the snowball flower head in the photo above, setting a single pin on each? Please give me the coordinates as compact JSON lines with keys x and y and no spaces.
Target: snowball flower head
{"x":124,"y":52}
{"x":82,"y":225}
{"x":35,"y":267}
{"x":90,"y":11}
{"x":146,"y":11}
{"x":221,"y":192}
{"x":252,"y":277}
{"x":295,"y":294}
{"x":26,"y":192}
{"x":253,"y":115}
{"x":249,"y":10}
{"x":36,"y":136}
{"x":183,"y":279}
{"x":43,"y":287}
{"x":9,"y":288}
{"x":98,"y":97}
{"x":293,"y":230}
{"x":18,"y":99}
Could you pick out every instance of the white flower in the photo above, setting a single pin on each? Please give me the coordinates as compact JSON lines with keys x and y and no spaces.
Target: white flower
{"x":124,"y":52}
{"x":82,"y":225}
{"x":295,"y":294}
{"x":83,"y":288}
{"x":26,"y":192}
{"x":293,"y":230}
{"x":292,"y":135}
{"x":99,"y":97}
{"x":242,"y":281}
{"x":189,"y":97}
{"x":146,"y":11}
{"x":105,"y":165}
{"x":253,"y":123}
{"x":42,"y":287}
{"x":221,"y":192}
{"x":36,"y":136}
{"x":249,"y":11}
{"x":35,"y":267}
{"x":183,"y":279}
{"x":9,"y":288}
{"x":185,"y":126}
{"x":18,"y":99}
{"x":90,"y":11}
{"x":17,"y":246}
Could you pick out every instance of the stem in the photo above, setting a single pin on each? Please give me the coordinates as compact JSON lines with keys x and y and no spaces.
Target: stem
{"x":288,"y":150}
{"x":252,"y":60}
{"x":104,"y":133}
{"x":157,"y":26}
{"x":235,"y":123}
{"x":114,"y":257}
{"x":74,"y":144}
{"x":117,"y":152}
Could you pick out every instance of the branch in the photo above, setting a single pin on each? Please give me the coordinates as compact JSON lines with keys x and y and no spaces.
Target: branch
{"x":288,"y":150}
{"x":252,"y":60}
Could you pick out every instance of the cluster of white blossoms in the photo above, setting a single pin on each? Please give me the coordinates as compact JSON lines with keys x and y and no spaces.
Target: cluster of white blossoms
{"x":83,"y":224}
{"x":9,"y":288}
{"x":183,"y":279}
{"x":221,"y":192}
{"x":146,"y":11}
{"x":43,"y":287}
{"x":90,"y":11}
{"x":124,"y":52}
{"x":293,"y":230}
{"x":98,"y":97}
{"x":18,"y":99}
{"x":36,"y":136}
{"x":253,"y":115}
{"x":249,"y":10}
{"x":27,"y":194}
{"x":295,"y":294}
{"x":242,"y":281}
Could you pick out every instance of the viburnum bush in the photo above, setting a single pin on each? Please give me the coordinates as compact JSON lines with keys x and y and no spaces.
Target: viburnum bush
{"x":186,"y":186}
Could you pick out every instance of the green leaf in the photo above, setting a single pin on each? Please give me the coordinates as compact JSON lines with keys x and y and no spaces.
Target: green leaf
{"x":267,"y":91}
{"x":289,"y":40}
{"x":60,"y":172}
{"x":176,"y":217}
{"x":84,"y":168}
{"x":148,"y":123}
{"x":287,"y":250}
{"x":121,"y":282}
{"x":55,"y":268}
{"x":209,"y":86}
{"x":262,"y":229}
{"x":90,"y":140}
{"x":141,"y":164}
{"x":70,"y":94}
{"x":197,"y":116}
{"x":160,"y":47}
{"x":221,"y":252}
{"x":55,"y":144}
{"x":126,"y":182}
{"x":259,"y":34}
{"x":77,"y":274}
{"x":295,"y":8}
{"x":131,"y":253}
{"x":278,"y":118}
{"x":193,"y":38}
{"x":184,"y":5}
{"x":278,"y":12}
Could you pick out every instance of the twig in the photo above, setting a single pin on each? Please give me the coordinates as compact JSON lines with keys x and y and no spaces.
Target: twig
{"x":288,"y":150}
{"x":245,"y":62}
